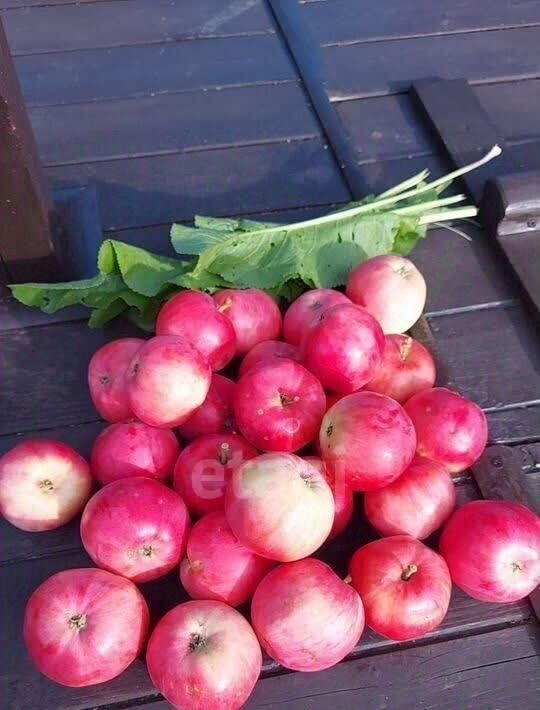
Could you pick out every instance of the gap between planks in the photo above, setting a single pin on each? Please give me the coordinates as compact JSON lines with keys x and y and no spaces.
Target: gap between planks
{"x":172,"y":40}
{"x":155,"y":697}
{"x":447,"y":33}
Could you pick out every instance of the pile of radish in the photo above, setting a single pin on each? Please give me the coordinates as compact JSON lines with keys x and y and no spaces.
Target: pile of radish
{"x":236,"y":483}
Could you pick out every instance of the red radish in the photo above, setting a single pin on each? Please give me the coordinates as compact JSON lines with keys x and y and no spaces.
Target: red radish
{"x":306,"y":617}
{"x":367,"y":441}
{"x":43,"y":484}
{"x":193,"y":316}
{"x":204,"y":468}
{"x":279,"y":506}
{"x":391,"y":288}
{"x":343,"y":497}
{"x":168,"y":379}
{"x":406,"y":368}
{"x":214,"y":416}
{"x":416,"y":504}
{"x":449,"y":428}
{"x":405,"y":586}
{"x":203,"y":655}
{"x":254,"y":315}
{"x":344,"y":348}
{"x":135,"y":527}
{"x":217,"y":566}
{"x":85,"y":626}
{"x":107,"y":378}
{"x":279,"y":405}
{"x":301,"y":314}
{"x":269,"y":350}
{"x":131,"y":449}
{"x":493,"y":550}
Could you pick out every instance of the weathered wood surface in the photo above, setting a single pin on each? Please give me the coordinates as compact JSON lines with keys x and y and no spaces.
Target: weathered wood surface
{"x":387,"y":126}
{"x":169,"y":188}
{"x":511,"y":212}
{"x":343,"y":21}
{"x":172,"y":123}
{"x":491,"y":356}
{"x":166,"y":166}
{"x":120,"y":72}
{"x":21,"y":681}
{"x":493,"y":670}
{"x":46,"y":3}
{"x":391,"y":66}
{"x":144,"y":21}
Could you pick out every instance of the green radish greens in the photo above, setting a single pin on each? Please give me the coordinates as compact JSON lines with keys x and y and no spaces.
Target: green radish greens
{"x":282,"y":259}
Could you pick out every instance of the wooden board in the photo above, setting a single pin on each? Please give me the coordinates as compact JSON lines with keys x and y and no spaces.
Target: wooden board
{"x":38,"y":3}
{"x":50,"y":364}
{"x":491,"y":356}
{"x":510,"y":426}
{"x":391,"y":66}
{"x":23,"y":687}
{"x":163,"y":189}
{"x":343,"y":21}
{"x":21,"y":683}
{"x":115,"y":23}
{"x":91,"y":75}
{"x":389,"y":126}
{"x":495,"y":670}
{"x":171,"y":123}
{"x":461,"y":274}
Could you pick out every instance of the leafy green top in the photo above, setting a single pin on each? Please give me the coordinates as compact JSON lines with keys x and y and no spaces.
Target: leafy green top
{"x":283,"y":259}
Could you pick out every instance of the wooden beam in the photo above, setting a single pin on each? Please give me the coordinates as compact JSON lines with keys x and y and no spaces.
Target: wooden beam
{"x":26,"y":207}
{"x":459,"y":121}
{"x":511,"y":214}
{"x":509,"y":201}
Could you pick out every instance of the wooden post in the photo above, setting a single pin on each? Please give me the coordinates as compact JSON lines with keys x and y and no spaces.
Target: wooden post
{"x":509,"y":201}
{"x":26,"y":206}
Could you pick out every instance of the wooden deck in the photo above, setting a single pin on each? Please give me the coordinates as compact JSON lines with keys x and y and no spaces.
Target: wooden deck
{"x":174,"y":107}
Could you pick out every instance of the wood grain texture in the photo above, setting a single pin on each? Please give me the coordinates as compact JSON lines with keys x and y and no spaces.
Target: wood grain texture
{"x":110,"y":24}
{"x":461,"y":273}
{"x":389,"y":126}
{"x":499,"y":476}
{"x":44,"y":374}
{"x":159,"y":189}
{"x":462,"y":128}
{"x":38,"y":3}
{"x":391,"y":67}
{"x":145,"y":191}
{"x":342,"y":21}
{"x":491,"y":356}
{"x":530,"y":458}
{"x":91,"y":75}
{"x":171,"y":123}
{"x":511,"y":215}
{"x":511,"y":426}
{"x":495,"y":670}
